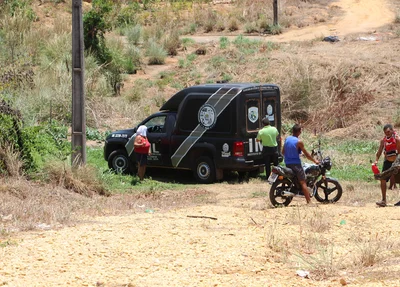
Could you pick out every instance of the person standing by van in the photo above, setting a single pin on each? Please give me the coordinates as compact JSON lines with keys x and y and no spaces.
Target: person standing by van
{"x":390,"y":146}
{"x":291,"y":152}
{"x":142,"y":149}
{"x":269,"y":137}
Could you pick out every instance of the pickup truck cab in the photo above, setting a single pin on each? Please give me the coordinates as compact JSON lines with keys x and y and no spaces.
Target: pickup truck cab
{"x":208,"y":129}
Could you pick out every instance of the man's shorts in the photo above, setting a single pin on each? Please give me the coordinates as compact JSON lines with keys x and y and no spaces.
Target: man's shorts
{"x":141,"y":158}
{"x":298,"y":170}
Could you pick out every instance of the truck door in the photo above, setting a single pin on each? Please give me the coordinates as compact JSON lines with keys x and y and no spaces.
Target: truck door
{"x":264,"y":102}
{"x":156,"y":134}
{"x":270,"y":107}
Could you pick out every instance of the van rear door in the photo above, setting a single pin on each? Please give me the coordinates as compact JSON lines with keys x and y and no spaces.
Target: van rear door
{"x":259,"y":102}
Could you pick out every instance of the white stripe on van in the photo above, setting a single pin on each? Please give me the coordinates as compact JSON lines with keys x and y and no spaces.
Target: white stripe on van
{"x":219,"y":106}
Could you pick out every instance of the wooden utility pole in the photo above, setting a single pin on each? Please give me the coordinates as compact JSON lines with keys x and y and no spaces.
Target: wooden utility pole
{"x":275,"y":12}
{"x":78,"y":97}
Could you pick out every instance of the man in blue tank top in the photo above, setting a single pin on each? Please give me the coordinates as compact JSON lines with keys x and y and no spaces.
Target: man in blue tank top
{"x":291,"y":151}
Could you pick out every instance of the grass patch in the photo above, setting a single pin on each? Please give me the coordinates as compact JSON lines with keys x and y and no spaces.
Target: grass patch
{"x":120,"y":183}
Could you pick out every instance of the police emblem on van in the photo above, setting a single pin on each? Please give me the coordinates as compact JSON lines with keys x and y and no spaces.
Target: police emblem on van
{"x":253,"y":114}
{"x":207,"y":116}
{"x":225,"y":150}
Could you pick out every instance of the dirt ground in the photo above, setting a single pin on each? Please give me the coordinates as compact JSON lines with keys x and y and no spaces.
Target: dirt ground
{"x":229,"y":235}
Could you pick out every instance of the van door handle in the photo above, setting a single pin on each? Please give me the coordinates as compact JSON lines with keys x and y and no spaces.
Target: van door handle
{"x":159,"y":141}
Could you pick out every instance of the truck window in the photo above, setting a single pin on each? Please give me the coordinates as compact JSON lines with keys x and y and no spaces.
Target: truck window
{"x":253,"y":114}
{"x":156,"y":124}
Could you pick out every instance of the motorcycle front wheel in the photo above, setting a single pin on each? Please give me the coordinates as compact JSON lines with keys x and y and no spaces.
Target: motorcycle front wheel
{"x":328,"y":191}
{"x":276,"y":195}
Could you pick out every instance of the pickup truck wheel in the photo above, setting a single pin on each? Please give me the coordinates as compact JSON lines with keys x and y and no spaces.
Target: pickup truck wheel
{"x":204,"y":170}
{"x":119,"y":161}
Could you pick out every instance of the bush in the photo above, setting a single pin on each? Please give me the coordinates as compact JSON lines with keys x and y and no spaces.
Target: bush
{"x":275,"y":29}
{"x":133,"y":34}
{"x":156,"y":53}
{"x":233,"y":25}
{"x":172,"y":43}
{"x":250,"y":27}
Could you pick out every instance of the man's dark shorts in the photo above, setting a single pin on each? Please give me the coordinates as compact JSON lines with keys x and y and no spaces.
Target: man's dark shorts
{"x":386,"y":165}
{"x":141,"y":158}
{"x":298,"y":170}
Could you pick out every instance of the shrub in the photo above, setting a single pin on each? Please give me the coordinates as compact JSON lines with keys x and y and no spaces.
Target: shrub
{"x":133,"y":34}
{"x":233,"y":25}
{"x":156,"y":54}
{"x":171,"y":43}
{"x":275,"y":29}
{"x":250,"y":27}
{"x":220,"y":25}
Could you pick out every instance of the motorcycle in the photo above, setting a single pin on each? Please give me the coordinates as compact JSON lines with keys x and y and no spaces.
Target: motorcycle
{"x":285,"y":185}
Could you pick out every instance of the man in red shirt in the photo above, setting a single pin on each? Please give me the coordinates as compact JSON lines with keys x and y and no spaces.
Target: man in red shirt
{"x":390,"y":146}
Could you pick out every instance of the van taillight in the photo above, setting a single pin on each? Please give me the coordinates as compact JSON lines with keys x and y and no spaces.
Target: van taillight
{"x":238,"y":149}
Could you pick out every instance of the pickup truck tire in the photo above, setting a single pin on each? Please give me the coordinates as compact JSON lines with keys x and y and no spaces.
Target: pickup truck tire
{"x":204,"y":170}
{"x":119,"y":162}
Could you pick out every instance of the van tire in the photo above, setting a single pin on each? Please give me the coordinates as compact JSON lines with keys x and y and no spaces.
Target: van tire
{"x":204,"y":170}
{"x":119,"y":162}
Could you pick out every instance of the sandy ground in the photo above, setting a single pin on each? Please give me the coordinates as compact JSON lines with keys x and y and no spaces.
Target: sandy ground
{"x":247,"y":244}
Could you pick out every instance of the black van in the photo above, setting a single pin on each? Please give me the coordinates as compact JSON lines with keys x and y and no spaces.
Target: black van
{"x":207,"y":128}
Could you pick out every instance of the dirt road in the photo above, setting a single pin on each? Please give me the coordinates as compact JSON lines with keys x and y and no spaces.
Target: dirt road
{"x":359,"y":17}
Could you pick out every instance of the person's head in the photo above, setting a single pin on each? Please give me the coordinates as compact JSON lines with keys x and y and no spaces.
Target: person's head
{"x":388,"y":130}
{"x":265,"y":122}
{"x":296,"y":130}
{"x":142,"y":131}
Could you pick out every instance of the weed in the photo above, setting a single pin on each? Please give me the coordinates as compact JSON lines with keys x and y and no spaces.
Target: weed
{"x":369,"y":251}
{"x":274,"y":238}
{"x":320,"y":261}
{"x":187,"y":42}
{"x":223,"y":42}
{"x":7,"y":243}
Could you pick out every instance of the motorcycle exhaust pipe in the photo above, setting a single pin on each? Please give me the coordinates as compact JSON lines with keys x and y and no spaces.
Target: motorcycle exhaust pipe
{"x":288,"y":193}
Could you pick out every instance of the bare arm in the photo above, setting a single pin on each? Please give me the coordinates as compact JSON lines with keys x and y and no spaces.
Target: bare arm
{"x":398,"y":143}
{"x":380,"y":149}
{"x":138,"y":141}
{"x":300,"y":145}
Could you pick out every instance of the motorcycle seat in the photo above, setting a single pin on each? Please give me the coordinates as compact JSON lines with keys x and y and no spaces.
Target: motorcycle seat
{"x":288,"y":171}
{"x":283,"y":170}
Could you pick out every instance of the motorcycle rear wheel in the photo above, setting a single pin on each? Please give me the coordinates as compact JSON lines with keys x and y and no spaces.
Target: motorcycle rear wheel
{"x":329,"y":193}
{"x":276,"y":193}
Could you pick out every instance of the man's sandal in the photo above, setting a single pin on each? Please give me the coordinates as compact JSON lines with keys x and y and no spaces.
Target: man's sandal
{"x":381,"y":203}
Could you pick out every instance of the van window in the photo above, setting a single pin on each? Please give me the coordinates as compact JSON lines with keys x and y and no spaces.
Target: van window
{"x":270,"y":111}
{"x":253,"y":114}
{"x":156,"y":124}
{"x":189,"y":118}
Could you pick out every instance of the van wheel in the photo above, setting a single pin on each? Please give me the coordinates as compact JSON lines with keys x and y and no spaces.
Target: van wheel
{"x":204,"y":170}
{"x":119,"y":162}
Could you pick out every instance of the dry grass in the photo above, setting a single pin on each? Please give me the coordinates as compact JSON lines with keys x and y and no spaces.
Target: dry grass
{"x":10,"y":161}
{"x":82,"y":179}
